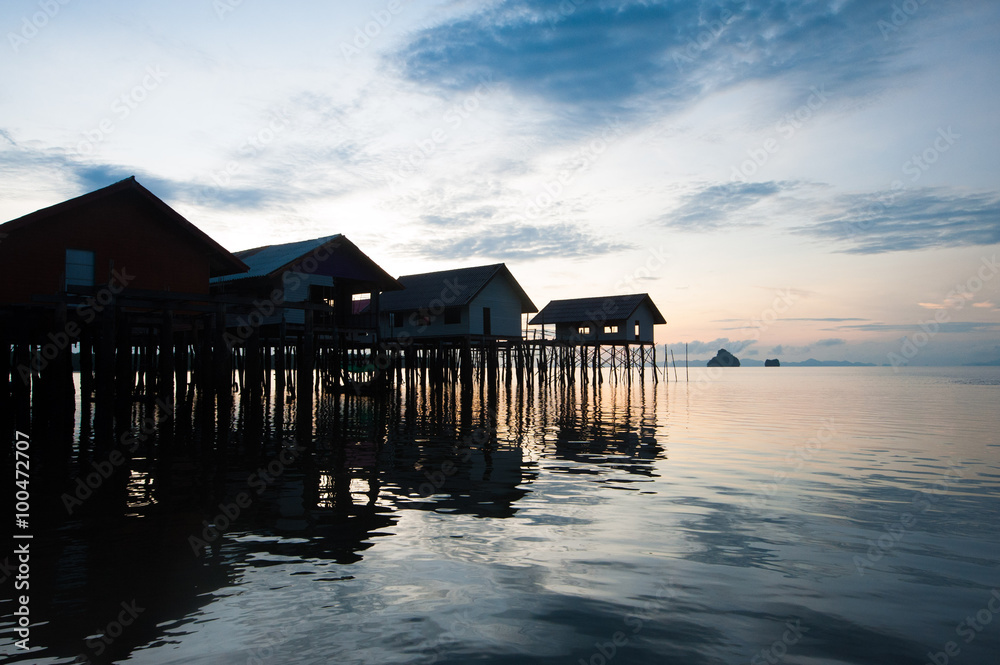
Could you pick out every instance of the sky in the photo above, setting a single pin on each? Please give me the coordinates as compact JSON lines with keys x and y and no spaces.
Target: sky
{"x":785,"y":179}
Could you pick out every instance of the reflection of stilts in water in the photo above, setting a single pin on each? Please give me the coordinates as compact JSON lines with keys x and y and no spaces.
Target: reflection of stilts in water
{"x":164,"y":351}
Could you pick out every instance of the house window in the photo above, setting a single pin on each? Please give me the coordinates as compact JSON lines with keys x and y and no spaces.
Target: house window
{"x":583,"y":330}
{"x":637,"y":330}
{"x":322,"y":294}
{"x":453,"y":315}
{"x":360,"y":302}
{"x":397,"y":319}
{"x":79,"y":267}
{"x":610,"y":330}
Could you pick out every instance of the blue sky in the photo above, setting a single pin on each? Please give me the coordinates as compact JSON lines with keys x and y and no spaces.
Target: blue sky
{"x":800,"y":179}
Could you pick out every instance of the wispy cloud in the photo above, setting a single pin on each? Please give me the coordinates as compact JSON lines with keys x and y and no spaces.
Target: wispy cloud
{"x":698,"y":347}
{"x":600,"y":55}
{"x":264,"y":184}
{"x":865,"y":223}
{"x":782,"y":349}
{"x":721,"y":205}
{"x":832,"y":318}
{"x":743,"y":322}
{"x":928,"y":218}
{"x":947,"y":327}
{"x":512,"y":241}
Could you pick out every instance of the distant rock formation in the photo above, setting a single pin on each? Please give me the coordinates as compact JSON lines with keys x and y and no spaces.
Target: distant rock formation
{"x":772,"y":363}
{"x":724,"y":359}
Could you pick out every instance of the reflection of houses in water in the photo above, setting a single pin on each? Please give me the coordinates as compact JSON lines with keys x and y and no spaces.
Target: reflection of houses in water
{"x":368,"y":461}
{"x":87,"y":572}
{"x":482,"y":480}
{"x":425,"y":450}
{"x":591,"y":431}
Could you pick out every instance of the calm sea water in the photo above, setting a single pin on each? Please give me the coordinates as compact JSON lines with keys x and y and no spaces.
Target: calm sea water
{"x":794,"y":515}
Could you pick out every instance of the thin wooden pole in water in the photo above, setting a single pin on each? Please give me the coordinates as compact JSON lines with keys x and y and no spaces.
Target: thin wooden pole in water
{"x":675,"y":364}
{"x":165,"y":386}
{"x":656,"y":375}
{"x":687,"y":377}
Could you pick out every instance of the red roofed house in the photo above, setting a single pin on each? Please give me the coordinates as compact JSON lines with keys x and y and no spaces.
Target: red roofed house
{"x":121,"y":235}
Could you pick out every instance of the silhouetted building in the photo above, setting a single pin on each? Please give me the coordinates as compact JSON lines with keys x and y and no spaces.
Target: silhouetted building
{"x":329,"y":271}
{"x":603,"y":318}
{"x":121,"y":235}
{"x":480,"y":301}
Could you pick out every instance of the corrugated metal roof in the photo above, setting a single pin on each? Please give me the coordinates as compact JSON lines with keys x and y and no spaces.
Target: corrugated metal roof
{"x":269,"y":258}
{"x":581,"y":310}
{"x":346,"y":261}
{"x":423,"y":289}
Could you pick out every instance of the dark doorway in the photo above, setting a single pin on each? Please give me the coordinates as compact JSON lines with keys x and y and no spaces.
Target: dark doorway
{"x":486,"y":321}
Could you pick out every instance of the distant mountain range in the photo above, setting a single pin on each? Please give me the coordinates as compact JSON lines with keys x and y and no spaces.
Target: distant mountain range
{"x":812,"y":362}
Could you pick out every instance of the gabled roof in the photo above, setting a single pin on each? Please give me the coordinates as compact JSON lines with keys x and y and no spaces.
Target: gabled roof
{"x":581,"y":310}
{"x":221,"y":261}
{"x":423,"y":289}
{"x":346,"y":261}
